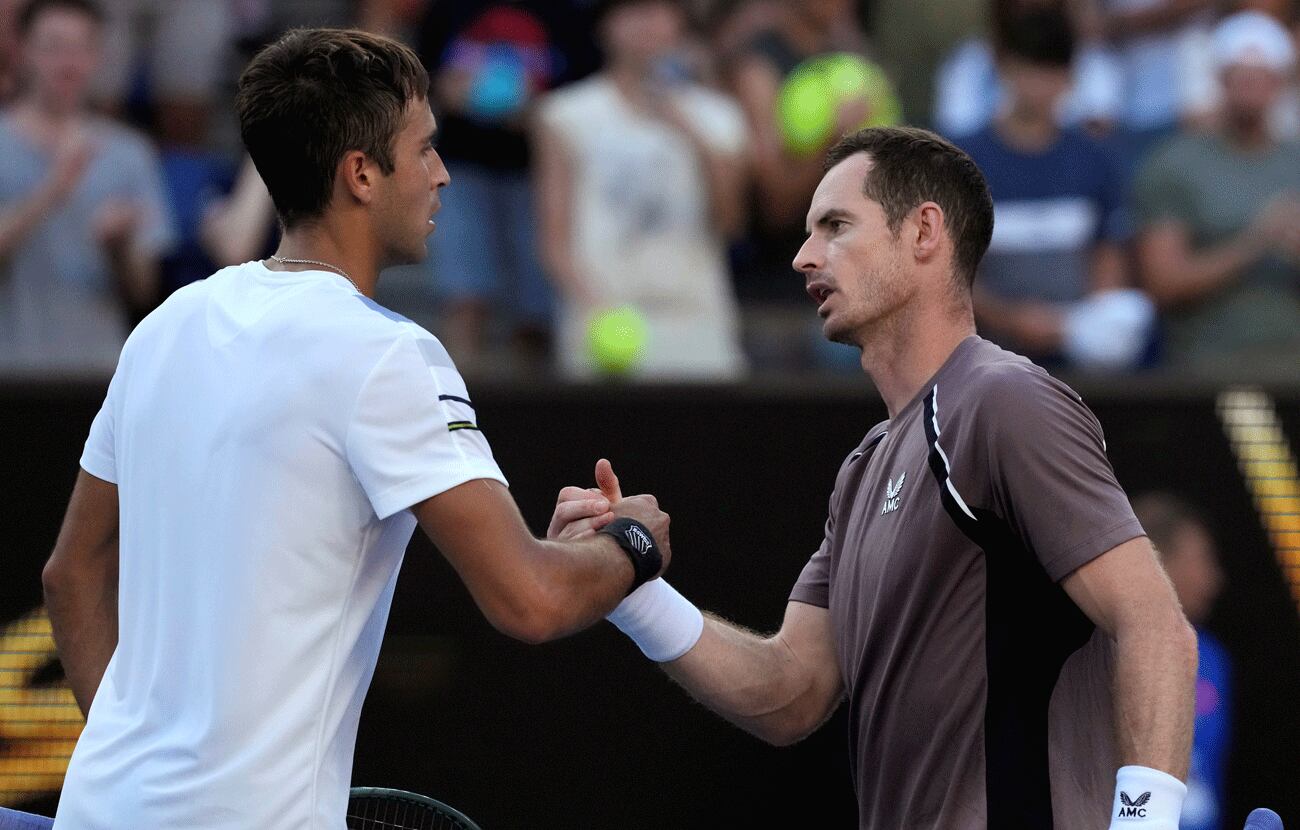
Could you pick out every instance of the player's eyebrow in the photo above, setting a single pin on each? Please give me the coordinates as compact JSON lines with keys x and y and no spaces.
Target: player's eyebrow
{"x":827,"y":217}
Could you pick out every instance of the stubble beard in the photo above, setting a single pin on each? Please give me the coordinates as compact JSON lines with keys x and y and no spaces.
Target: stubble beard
{"x":882,"y":295}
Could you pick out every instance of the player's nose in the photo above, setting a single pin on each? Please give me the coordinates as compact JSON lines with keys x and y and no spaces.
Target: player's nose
{"x":810,"y":256}
{"x":440,"y":176}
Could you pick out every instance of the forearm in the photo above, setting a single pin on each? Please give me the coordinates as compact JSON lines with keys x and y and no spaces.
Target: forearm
{"x":757,"y":683}
{"x":136,"y":274}
{"x":83,"y":614}
{"x":1108,"y":268}
{"x":17,"y":221}
{"x":724,"y":184}
{"x":575,"y":585}
{"x":562,"y":269}
{"x":1191,"y":277}
{"x":1155,"y":684}
{"x":785,"y":185}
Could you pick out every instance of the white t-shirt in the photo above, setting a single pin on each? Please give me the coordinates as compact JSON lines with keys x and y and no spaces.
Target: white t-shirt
{"x":642,"y":232}
{"x":267,"y":432}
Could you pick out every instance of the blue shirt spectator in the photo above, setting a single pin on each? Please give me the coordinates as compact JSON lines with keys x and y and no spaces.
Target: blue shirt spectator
{"x":1052,"y":283}
{"x":1052,"y":207}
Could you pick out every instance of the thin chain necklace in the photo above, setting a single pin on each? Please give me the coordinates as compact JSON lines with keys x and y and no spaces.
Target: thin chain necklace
{"x":334,"y":268}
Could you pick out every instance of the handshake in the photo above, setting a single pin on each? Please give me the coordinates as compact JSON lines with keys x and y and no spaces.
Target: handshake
{"x":663,"y":623}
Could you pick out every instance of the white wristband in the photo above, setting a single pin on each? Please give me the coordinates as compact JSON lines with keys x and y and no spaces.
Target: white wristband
{"x":1146,"y":799}
{"x":662,"y":622}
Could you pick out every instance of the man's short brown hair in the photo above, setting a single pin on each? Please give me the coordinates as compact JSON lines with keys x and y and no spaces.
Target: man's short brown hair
{"x":315,"y":95}
{"x":910,"y":166}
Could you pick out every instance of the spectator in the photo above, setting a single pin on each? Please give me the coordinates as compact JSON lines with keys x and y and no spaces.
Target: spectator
{"x":640,"y":181}
{"x":1199,"y":70}
{"x":785,"y":180}
{"x":489,"y":60}
{"x":1060,"y":226}
{"x":182,"y":46}
{"x":83,"y":220}
{"x":1219,"y":218}
{"x":969,"y":92}
{"x":1188,"y":552}
{"x":1151,"y":40}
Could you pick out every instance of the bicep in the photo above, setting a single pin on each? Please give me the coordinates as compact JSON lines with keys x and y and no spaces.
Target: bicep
{"x":88,"y":536}
{"x":1121,"y":585}
{"x":806,"y":632}
{"x":478,"y":528}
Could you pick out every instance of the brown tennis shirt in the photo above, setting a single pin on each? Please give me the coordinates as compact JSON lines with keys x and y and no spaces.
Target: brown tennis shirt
{"x":978,"y":696}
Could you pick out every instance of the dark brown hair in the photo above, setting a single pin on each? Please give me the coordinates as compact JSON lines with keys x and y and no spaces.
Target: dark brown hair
{"x":315,"y":95}
{"x":31,"y":11}
{"x":910,"y":166}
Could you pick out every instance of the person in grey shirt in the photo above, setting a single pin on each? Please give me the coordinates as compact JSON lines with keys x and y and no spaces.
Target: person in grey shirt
{"x":1219,"y":219}
{"x":83,"y":216}
{"x":984,"y":598}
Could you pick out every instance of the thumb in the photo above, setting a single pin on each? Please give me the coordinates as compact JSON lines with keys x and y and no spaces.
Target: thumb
{"x":607,"y":481}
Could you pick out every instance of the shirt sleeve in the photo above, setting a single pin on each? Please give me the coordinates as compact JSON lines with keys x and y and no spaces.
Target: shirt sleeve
{"x":1051,"y":480}
{"x":414,"y":433}
{"x":99,"y":456}
{"x":814,"y":584}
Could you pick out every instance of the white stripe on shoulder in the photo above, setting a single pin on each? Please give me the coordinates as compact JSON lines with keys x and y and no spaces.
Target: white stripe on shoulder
{"x":947,"y":467}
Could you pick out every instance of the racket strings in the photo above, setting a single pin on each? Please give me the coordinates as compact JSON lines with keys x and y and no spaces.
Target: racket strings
{"x":388,"y":813}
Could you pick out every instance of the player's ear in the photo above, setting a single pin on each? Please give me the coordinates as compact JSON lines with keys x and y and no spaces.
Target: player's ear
{"x":926,"y":223}
{"x":357,"y":173}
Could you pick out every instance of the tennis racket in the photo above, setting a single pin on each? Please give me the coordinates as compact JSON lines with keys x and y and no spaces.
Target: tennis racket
{"x":380,"y":808}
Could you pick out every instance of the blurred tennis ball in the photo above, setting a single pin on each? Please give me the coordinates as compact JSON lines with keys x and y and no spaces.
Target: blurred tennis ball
{"x":616,"y":338}
{"x":812,"y":94}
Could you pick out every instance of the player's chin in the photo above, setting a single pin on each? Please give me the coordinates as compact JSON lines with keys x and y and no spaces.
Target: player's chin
{"x":413,"y":252}
{"x":833,"y":330}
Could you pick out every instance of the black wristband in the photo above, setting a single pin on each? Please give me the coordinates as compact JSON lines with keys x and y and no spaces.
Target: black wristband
{"x":635,"y":540}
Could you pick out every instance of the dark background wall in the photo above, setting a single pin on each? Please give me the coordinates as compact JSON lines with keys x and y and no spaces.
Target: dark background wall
{"x":587,"y":733}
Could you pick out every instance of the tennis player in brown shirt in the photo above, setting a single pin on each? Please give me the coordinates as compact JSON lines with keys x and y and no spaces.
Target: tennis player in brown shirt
{"x":1011,"y":652}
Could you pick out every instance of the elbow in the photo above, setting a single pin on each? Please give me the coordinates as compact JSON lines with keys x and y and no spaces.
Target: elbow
{"x":1162,"y":285}
{"x":531,"y":614}
{"x":532,"y":627}
{"x":784,"y":729}
{"x":54,"y":578}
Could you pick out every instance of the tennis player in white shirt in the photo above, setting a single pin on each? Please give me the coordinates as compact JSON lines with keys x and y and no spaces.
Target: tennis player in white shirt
{"x":270,"y":439}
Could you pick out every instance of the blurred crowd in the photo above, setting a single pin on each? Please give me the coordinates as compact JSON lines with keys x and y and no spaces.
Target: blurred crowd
{"x":630,"y":177}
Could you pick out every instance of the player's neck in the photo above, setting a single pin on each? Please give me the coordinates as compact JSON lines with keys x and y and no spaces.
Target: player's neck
{"x":332,"y":242}
{"x":902,"y":353}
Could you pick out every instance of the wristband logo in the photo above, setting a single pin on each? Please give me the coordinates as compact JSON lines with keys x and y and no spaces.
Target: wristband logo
{"x":1132,"y":807}
{"x":637,"y":538}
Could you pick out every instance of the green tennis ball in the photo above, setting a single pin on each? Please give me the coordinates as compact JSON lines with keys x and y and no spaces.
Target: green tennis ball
{"x":616,"y":339}
{"x":811,"y":95}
